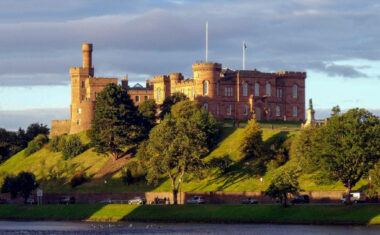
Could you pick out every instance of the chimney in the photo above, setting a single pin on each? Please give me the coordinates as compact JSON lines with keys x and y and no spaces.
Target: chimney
{"x":87,"y":55}
{"x":124,"y":82}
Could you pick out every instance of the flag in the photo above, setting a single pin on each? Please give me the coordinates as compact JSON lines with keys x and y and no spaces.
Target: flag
{"x":244,"y":45}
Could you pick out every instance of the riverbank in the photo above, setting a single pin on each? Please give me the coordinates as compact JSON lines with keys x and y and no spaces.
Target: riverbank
{"x":300,"y":214}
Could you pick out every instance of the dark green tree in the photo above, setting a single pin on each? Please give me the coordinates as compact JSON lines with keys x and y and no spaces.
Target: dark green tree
{"x":117,"y":124}
{"x":375,"y":176}
{"x":73,"y":146}
{"x":283,"y":184}
{"x":169,"y":102}
{"x":349,"y":146}
{"x":251,"y":145}
{"x":22,"y":185}
{"x":35,"y":129}
{"x":335,"y":110}
{"x":148,"y":110}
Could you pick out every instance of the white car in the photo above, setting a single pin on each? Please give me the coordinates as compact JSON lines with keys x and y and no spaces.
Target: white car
{"x":355,"y":197}
{"x":137,"y":201}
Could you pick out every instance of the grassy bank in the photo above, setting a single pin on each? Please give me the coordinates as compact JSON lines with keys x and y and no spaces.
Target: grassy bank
{"x":303,"y":214}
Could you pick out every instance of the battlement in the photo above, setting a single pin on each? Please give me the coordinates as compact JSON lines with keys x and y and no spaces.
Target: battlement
{"x":101,"y":80}
{"x":206,"y":66}
{"x":161,"y":78}
{"x":81,"y":71}
{"x":291,"y":73}
{"x":176,"y":76}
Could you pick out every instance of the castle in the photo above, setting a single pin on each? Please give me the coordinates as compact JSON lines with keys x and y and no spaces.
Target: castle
{"x":226,"y":93}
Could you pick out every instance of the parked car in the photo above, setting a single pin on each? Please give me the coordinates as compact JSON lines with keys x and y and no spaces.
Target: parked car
{"x":249,"y":200}
{"x":30,"y":201}
{"x":196,"y":200}
{"x":106,"y":201}
{"x":137,"y":201}
{"x":301,"y":199}
{"x":66,"y":200}
{"x":355,"y":197}
{"x":3,"y":201}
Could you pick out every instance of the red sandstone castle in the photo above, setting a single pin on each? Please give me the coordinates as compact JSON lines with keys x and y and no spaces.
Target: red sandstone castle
{"x":226,"y":93}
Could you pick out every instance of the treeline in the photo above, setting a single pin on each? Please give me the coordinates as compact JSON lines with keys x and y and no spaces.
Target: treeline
{"x":12,"y":142}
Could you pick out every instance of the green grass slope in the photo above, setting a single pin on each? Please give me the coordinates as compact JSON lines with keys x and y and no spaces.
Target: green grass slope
{"x":45,"y":164}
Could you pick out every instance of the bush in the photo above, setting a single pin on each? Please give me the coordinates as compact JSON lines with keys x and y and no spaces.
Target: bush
{"x":54,"y":144}
{"x":133,"y":172}
{"x":72,"y":147}
{"x":78,"y":179}
{"x":36,"y":144}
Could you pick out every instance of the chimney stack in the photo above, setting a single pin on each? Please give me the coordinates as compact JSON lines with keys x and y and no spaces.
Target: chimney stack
{"x":87,"y":55}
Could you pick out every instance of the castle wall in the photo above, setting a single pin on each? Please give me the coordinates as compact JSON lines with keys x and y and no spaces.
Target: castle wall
{"x":140,"y":95}
{"x":59,"y":127}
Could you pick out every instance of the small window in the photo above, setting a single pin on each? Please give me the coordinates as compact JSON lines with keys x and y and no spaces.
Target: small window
{"x":245,"y":89}
{"x":295,"y":111}
{"x":217,"y":109}
{"x":158,"y":94}
{"x":278,"y":111}
{"x":228,"y":109}
{"x":82,"y":84}
{"x":279,"y":92}
{"x":205,"y":87}
{"x":79,"y":110}
{"x":268,"y":88}
{"x":295,"y":91}
{"x":137,"y":98}
{"x":78,"y":122}
{"x":245,"y":109}
{"x":205,"y":105}
{"x":257,"y":89}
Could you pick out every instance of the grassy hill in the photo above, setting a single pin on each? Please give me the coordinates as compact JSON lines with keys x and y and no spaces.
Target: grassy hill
{"x":54,"y":173}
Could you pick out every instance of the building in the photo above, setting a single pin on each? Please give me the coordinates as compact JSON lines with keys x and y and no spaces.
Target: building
{"x":226,"y":93}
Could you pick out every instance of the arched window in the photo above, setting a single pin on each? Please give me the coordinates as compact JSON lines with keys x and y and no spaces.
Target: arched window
{"x":158,"y":94}
{"x":267,"y":89}
{"x":257,"y":89}
{"x":295,"y":91}
{"x":205,"y":87}
{"x":229,"y":109}
{"x":205,"y":105}
{"x":245,"y":89}
{"x":295,"y":111}
{"x":278,"y":111}
{"x":245,"y":109}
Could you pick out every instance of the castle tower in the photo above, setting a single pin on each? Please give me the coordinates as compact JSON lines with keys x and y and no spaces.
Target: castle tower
{"x":206,"y":75}
{"x":174,"y":79}
{"x":161,"y":86}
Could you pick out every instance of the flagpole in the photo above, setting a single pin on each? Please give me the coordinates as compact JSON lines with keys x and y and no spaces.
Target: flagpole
{"x":244,"y":46}
{"x":206,"y":41}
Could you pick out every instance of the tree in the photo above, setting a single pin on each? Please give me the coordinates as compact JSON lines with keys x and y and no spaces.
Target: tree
{"x":22,"y":185}
{"x":147,"y":110}
{"x":72,"y":147}
{"x":375,"y":176}
{"x":35,"y":129}
{"x":169,"y":102}
{"x":117,"y":123}
{"x":349,"y":146}
{"x":175,"y":148}
{"x":335,"y":110}
{"x":283,"y":184}
{"x":251,"y":145}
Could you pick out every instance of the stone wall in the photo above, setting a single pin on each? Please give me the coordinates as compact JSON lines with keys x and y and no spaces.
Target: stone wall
{"x":59,"y":127}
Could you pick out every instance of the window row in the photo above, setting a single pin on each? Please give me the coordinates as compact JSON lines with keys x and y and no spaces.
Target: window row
{"x":137,"y":98}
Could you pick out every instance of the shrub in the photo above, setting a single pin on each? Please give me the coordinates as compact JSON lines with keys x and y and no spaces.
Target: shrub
{"x":78,"y":179}
{"x":54,"y":144}
{"x":72,"y":147}
{"x":36,"y":144}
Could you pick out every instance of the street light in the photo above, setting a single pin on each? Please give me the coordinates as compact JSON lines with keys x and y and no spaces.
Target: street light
{"x":370,"y":186}
{"x":105,"y":190}
{"x":261,"y":190}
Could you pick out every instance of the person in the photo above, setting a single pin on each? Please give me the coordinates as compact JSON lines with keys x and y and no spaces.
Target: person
{"x":238,"y":122}
{"x":164,"y":200}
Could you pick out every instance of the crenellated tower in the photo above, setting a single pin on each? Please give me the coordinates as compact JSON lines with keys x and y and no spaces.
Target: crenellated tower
{"x":206,"y":76}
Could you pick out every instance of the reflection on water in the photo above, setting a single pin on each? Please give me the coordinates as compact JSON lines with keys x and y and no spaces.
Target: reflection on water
{"x":50,"y":227}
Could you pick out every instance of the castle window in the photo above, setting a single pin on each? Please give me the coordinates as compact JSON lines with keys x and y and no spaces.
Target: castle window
{"x":229,"y":109}
{"x":269,"y":111}
{"x":278,"y":111}
{"x":245,"y":109}
{"x":137,"y":98}
{"x":158,"y":94}
{"x":217,"y":88}
{"x":245,"y":89}
{"x":192,"y":91}
{"x":279,"y":92}
{"x":295,"y":111}
{"x":257,"y":89}
{"x":228,"y":91}
{"x":205,"y":105}
{"x":217,"y":109}
{"x":82,"y":84}
{"x":267,"y":89}
{"x":79,"y":110}
{"x":146,"y":97}
{"x":78,"y":122}
{"x":295,"y":91}
{"x":205,"y":87}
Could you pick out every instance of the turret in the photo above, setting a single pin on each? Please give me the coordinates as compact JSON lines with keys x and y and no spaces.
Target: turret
{"x":206,"y":75}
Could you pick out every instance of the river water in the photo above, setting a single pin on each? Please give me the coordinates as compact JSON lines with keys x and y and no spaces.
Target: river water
{"x":51,"y":227}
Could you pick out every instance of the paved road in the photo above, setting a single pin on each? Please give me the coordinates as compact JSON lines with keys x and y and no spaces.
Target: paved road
{"x":49,"y":227}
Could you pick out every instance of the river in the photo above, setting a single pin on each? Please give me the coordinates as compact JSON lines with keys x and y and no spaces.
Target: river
{"x":52,"y":227}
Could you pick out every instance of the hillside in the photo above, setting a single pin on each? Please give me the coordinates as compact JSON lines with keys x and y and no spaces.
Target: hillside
{"x":54,"y":173}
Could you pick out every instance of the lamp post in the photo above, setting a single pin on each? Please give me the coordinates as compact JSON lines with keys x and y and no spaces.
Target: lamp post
{"x":370,"y":186}
{"x":261,"y":189}
{"x":105,"y":190}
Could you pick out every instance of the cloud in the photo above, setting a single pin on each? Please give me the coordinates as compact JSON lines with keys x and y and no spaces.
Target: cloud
{"x":151,"y":39}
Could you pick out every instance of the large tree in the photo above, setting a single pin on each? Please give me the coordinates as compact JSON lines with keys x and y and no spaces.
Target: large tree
{"x":169,"y":102}
{"x":177,"y":144}
{"x":22,"y":185}
{"x":117,"y":124}
{"x":349,"y":146}
{"x":251,"y":145}
{"x":282,"y":184}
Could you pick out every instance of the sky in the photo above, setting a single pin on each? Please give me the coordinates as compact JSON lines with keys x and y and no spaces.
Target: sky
{"x":335,"y":42}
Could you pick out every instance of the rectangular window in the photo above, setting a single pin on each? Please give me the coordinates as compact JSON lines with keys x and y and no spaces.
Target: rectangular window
{"x":228,"y":91}
{"x":217,"y":109}
{"x":295,"y":111}
{"x":82,"y":84}
{"x":279,"y":92}
{"x":229,"y":109}
{"x":79,"y":110}
{"x":78,"y":122}
{"x":137,"y":98}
